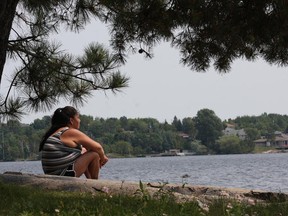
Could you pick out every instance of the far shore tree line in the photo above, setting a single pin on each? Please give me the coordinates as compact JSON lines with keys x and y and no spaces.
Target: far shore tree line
{"x":202,"y":134}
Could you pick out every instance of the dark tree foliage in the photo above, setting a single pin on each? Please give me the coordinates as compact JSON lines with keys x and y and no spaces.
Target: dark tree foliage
{"x":265,"y":123}
{"x":141,"y":136}
{"x":209,"y":127}
{"x":206,"y":32}
{"x":46,"y":74}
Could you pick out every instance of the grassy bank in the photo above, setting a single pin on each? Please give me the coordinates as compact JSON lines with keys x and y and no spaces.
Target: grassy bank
{"x":27,"y":201}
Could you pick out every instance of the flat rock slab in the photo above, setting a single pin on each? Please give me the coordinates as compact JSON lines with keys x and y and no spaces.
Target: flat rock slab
{"x":182,"y":193}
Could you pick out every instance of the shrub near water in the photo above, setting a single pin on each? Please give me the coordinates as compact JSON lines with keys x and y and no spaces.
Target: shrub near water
{"x":27,"y":201}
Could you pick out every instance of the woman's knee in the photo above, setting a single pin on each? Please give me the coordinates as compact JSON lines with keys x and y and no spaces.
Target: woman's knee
{"x":85,"y":160}
{"x":93,"y":155}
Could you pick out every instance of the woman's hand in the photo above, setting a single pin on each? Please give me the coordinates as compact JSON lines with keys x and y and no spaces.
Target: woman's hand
{"x":84,"y":150}
{"x":103,"y":160}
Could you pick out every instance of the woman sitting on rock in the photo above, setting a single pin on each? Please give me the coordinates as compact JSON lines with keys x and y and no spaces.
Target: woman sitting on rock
{"x":66,"y":151}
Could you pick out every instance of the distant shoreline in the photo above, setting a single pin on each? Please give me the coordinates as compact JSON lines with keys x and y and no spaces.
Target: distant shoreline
{"x":271,"y":151}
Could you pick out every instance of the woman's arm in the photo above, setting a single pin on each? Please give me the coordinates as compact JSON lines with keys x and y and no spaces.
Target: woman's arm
{"x":72,"y":137}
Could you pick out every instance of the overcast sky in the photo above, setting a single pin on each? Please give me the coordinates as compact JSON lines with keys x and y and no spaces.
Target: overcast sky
{"x":162,"y":88}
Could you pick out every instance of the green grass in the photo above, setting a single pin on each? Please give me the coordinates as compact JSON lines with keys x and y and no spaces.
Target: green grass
{"x":230,"y":208}
{"x":27,"y":201}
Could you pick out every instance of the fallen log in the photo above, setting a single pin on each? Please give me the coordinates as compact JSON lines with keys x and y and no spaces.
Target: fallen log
{"x":182,"y":193}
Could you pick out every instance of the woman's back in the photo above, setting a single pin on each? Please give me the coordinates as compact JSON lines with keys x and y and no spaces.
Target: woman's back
{"x":56,"y":156}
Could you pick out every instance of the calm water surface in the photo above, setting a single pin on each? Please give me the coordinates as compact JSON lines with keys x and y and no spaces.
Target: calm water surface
{"x":250,"y":171}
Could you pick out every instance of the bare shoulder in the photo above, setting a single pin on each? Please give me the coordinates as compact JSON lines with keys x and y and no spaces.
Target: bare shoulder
{"x":72,"y":132}
{"x":75,"y":136}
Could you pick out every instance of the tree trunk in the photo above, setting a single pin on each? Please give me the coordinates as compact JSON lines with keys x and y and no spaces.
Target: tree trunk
{"x":7,"y":13}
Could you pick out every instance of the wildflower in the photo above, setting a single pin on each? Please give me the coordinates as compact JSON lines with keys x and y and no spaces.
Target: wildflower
{"x":105,"y":189}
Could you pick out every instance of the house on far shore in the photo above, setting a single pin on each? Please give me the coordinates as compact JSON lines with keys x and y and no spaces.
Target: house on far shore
{"x":280,"y":140}
{"x":231,"y":131}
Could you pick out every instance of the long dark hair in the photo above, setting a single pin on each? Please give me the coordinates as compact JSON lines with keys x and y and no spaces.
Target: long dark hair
{"x":60,"y":118}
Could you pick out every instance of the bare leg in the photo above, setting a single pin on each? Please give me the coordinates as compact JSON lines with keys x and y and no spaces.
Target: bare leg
{"x":88,"y":163}
{"x":87,"y":174}
{"x":94,"y":167}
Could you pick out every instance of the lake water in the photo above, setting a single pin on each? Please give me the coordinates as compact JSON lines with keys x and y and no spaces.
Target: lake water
{"x":250,"y":171}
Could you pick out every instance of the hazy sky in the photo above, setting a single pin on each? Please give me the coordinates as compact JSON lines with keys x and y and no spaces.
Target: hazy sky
{"x":162,"y":88}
